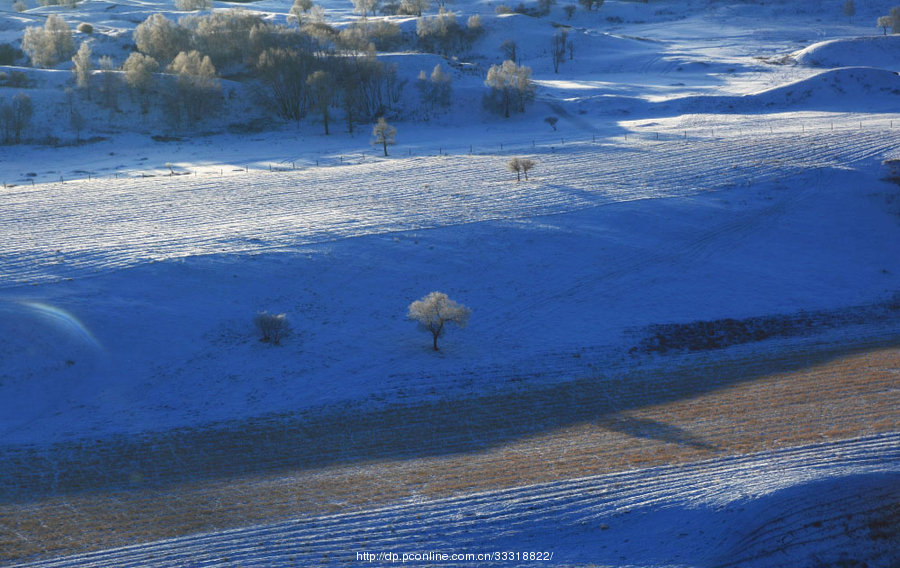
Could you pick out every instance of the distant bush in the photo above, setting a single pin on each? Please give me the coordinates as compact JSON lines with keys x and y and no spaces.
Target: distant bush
{"x":443,"y":34}
{"x":16,"y":79}
{"x":19,"y":6}
{"x":224,"y":36}
{"x":161,"y":38}
{"x":64,"y":3}
{"x":191,"y":5}
{"x":15,"y":118}
{"x":9,"y":54}
{"x":272,"y":326}
{"x":503,"y":9}
{"x":85,"y":28}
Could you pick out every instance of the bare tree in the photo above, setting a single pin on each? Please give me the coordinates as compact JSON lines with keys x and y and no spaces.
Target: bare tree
{"x":435,"y":311}
{"x":322,"y":89}
{"x":272,"y":326}
{"x":515,"y":165}
{"x":78,"y":122}
{"x":109,"y":83}
{"x":283,"y":71}
{"x":384,"y":134}
{"x":15,"y":117}
{"x":527,"y":165}
{"x":508,"y":48}
{"x":590,"y":4}
{"x":558,"y":52}
{"x":849,"y":9}
{"x":552,"y":120}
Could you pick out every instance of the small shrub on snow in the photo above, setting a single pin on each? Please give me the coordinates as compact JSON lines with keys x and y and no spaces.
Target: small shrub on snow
{"x":9,"y":54}
{"x":85,"y":28}
{"x":272,"y":326}
{"x":19,"y":6}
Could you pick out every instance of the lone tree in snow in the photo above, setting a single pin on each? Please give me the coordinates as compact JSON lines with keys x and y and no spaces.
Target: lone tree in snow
{"x":885,"y":22}
{"x":384,"y":134}
{"x":271,"y":326}
{"x":435,"y":311}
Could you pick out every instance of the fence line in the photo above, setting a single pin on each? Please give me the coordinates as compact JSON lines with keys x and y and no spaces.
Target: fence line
{"x":542,"y":144}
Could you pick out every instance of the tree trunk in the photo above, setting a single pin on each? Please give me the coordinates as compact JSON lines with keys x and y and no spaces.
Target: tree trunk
{"x":435,"y":341}
{"x":384,"y":142}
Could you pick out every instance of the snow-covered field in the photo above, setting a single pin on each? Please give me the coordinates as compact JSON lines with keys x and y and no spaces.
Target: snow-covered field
{"x":713,"y":160}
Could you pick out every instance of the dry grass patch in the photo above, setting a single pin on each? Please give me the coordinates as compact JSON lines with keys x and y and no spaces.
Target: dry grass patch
{"x":435,"y":450}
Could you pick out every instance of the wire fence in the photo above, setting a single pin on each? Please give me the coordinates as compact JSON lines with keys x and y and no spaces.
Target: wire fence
{"x":789,"y":132}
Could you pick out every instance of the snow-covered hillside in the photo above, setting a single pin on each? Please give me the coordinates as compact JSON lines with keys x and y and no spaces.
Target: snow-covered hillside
{"x":716,"y":166}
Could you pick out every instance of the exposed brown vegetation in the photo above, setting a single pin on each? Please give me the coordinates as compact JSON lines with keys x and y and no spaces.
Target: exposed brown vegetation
{"x":126,"y":491}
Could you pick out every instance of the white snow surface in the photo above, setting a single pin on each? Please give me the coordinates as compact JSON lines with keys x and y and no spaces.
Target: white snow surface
{"x":712,"y":160}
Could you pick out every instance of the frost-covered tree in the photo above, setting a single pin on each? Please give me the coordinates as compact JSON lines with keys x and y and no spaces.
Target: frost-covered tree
{"x":139,"y":76}
{"x":50,"y":44}
{"x":192,"y":5}
{"x":19,"y":6}
{"x":885,"y":22}
{"x":443,"y":34}
{"x":299,"y":9}
{"x":435,"y":90}
{"x":83,"y":66}
{"x":510,"y":87}
{"x":197,"y":92}
{"x":591,"y":4}
{"x":435,"y":311}
{"x":414,"y":7}
{"x":365,"y":6}
{"x":225,"y":35}
{"x":161,"y":38}
{"x":384,"y":134}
